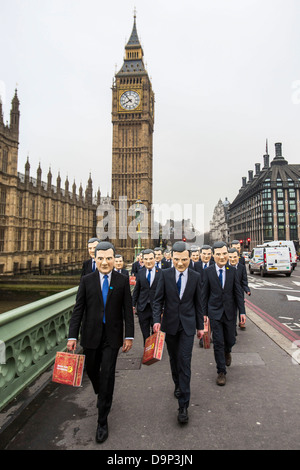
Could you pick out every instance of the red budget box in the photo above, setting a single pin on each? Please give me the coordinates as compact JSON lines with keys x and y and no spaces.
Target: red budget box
{"x":132,"y":280}
{"x":68,"y":368}
{"x":206,"y":337}
{"x":154,"y":347}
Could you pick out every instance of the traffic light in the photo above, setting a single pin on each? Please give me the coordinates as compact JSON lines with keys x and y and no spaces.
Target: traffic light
{"x":241,"y":242}
{"x":184,"y":239}
{"x":248,"y":240}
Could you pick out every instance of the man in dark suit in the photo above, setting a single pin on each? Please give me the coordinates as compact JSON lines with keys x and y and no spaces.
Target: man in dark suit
{"x":241,"y":275}
{"x":168,"y":258}
{"x":178,"y":291}
{"x":194,"y":257}
{"x":119,"y":265}
{"x":160,"y":260}
{"x":137,"y":265}
{"x":143,"y":293}
{"x":89,"y":265}
{"x":237,"y":245}
{"x":221,"y":295}
{"x":205,"y":259}
{"x":103,"y":305}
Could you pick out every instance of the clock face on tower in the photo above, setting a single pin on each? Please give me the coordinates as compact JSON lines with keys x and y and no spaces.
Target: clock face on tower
{"x":130,"y":100}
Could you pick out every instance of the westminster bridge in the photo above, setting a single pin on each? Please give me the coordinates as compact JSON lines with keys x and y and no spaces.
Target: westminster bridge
{"x":257,"y":409}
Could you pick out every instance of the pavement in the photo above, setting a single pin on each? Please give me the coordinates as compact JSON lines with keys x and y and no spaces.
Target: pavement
{"x":257,"y":409}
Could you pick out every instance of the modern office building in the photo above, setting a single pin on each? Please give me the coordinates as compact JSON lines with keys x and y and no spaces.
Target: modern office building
{"x":267,"y":206}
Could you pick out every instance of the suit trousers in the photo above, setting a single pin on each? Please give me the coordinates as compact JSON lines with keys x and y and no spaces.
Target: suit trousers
{"x":100,"y":368}
{"x":180,"y":347}
{"x":146,"y":322}
{"x":223,"y":331}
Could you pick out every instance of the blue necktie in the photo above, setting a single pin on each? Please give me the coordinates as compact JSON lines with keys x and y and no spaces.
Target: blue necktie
{"x":93,"y":265}
{"x":205,"y":266}
{"x":149,"y":276}
{"x":179,"y":283}
{"x":221,"y":277}
{"x":104,"y":293}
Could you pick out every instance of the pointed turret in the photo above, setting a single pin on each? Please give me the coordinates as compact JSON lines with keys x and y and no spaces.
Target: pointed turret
{"x":49,"y":180}
{"x":15,"y":114}
{"x":67,"y":186}
{"x":39,"y":175}
{"x":27,"y":170}
{"x":58,"y":183}
{"x":89,"y":191}
{"x":134,"y":39}
{"x":1,"y":114}
{"x":74,"y":190}
{"x":133,"y":61}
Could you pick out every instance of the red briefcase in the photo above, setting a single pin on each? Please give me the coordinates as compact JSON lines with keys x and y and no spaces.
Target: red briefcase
{"x":68,"y":368}
{"x":206,"y":337}
{"x":154,"y":347}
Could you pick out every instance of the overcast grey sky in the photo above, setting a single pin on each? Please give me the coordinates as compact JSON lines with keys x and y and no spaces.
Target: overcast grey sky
{"x":226,"y":77}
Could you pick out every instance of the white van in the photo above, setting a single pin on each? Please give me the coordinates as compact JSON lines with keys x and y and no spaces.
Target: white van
{"x":288,"y":243}
{"x":271,"y":259}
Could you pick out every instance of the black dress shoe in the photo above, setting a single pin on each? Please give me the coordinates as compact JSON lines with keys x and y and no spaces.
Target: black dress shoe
{"x":101,"y":433}
{"x":183,"y":416}
{"x":177,"y":392}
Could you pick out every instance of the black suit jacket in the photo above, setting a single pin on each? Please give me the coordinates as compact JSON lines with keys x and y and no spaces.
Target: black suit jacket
{"x":199,"y":268}
{"x":135,"y":268}
{"x":89,"y":309}
{"x":242,"y":277}
{"x":185,"y":311}
{"x":165,"y":264}
{"x":215,"y":300}
{"x":87,"y":267}
{"x":192,"y":265}
{"x":143,"y":294}
{"x":124,"y":271}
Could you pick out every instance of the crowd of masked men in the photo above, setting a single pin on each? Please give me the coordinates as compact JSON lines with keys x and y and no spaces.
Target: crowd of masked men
{"x":175,"y":291}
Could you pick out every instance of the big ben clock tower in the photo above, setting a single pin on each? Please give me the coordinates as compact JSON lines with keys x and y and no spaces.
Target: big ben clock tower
{"x":132,"y":150}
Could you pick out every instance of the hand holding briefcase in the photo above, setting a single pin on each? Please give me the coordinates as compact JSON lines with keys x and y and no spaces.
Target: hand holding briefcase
{"x":68,"y":368}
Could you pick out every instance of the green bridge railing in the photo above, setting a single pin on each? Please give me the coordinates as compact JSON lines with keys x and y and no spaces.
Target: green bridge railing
{"x":30,"y":336}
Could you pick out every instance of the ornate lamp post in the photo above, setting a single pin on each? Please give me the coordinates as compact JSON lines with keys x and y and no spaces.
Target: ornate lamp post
{"x":138,"y":217}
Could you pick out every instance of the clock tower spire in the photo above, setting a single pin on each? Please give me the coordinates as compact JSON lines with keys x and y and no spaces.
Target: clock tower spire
{"x":132,"y":152}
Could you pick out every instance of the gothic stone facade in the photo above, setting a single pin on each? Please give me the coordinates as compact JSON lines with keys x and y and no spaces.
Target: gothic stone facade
{"x":43,"y":227}
{"x":219,"y":230}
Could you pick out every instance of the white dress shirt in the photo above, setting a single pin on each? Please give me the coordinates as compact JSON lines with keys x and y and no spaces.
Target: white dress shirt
{"x":101,"y":275}
{"x":152,"y":275}
{"x":184,"y":279}
{"x":224,"y":273}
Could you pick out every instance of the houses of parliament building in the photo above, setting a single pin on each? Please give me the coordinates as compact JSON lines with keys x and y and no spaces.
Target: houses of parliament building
{"x":43,"y":227}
